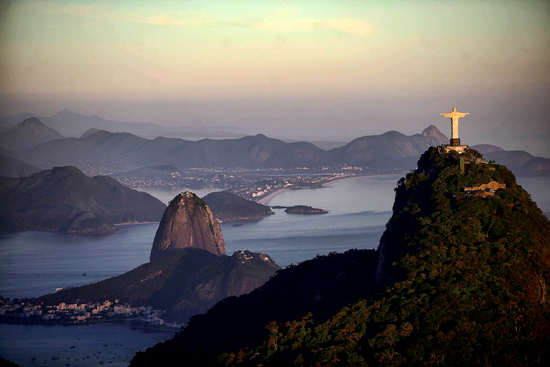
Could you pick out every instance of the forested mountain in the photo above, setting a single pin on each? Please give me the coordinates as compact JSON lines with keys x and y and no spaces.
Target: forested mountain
{"x":65,"y":199}
{"x":229,"y":207}
{"x":461,"y":280}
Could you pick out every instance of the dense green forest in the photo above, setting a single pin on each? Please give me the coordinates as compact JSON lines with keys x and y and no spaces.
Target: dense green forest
{"x":461,"y":280}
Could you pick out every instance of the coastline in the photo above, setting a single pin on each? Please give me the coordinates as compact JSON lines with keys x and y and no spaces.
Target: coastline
{"x":267,"y":199}
{"x":130,"y":223}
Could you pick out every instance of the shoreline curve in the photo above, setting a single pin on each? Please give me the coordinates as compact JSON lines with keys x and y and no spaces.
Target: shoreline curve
{"x":267,"y":199}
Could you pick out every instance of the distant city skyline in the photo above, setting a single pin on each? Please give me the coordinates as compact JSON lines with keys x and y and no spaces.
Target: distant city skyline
{"x":301,"y":70}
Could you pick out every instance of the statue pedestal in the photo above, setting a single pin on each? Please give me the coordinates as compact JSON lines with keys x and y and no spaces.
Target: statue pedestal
{"x":456,"y":148}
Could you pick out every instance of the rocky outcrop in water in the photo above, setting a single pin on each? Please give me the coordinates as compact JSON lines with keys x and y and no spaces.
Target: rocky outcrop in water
{"x":187,"y":223}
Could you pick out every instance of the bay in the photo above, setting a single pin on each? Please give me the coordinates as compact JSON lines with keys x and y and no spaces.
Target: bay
{"x":35,"y":263}
{"x":358,"y":209}
{"x":111,"y":344}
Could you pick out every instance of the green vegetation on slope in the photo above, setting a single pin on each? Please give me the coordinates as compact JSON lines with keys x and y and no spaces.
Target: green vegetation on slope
{"x":468,"y":286}
{"x":322,"y":285}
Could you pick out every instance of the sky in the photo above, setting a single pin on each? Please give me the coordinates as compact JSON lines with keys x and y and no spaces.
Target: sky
{"x":301,"y":70}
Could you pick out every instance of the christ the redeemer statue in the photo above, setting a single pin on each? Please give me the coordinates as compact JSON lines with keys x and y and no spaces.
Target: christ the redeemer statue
{"x":454,"y":116}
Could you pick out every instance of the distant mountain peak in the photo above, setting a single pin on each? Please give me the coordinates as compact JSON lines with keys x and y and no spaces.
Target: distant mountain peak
{"x":27,"y":134}
{"x":431,"y":131}
{"x":487,"y":148}
{"x":66,"y":112}
{"x":91,"y":131}
{"x":31,"y":121}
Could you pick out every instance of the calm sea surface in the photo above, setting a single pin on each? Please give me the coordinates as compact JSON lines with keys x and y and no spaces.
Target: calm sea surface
{"x":35,"y":263}
{"x":114,"y":344}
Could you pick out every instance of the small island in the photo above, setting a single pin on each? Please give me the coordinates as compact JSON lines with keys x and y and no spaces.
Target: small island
{"x":303,"y":209}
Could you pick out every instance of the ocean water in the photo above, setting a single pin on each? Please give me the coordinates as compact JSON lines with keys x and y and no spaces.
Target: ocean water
{"x":110,"y":344}
{"x":35,"y":263}
{"x":358,"y":211}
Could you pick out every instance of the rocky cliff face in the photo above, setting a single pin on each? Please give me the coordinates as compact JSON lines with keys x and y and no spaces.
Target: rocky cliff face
{"x":187,"y":223}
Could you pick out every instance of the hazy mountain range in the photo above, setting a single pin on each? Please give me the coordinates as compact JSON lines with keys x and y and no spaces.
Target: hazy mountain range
{"x":32,"y":142}
{"x":519,"y":161}
{"x":73,"y":124}
{"x":13,"y":167}
{"x":123,"y":151}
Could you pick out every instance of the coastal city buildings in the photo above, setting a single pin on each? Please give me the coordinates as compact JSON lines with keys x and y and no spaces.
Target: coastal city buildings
{"x":77,"y":313}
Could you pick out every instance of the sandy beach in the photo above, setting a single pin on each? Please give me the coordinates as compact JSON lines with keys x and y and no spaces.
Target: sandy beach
{"x":268,"y":198}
